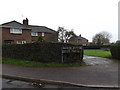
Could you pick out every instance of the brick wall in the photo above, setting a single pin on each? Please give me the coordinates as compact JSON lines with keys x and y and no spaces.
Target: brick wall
{"x":25,"y":36}
{"x":49,"y":37}
{"x":78,"y":42}
{"x":83,"y":42}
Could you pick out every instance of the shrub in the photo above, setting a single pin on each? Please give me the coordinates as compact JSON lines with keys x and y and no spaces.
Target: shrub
{"x":40,"y":39}
{"x":115,"y":50}
{"x":42,"y":52}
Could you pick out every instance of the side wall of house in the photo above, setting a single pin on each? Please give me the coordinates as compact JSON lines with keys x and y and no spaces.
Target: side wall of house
{"x":79,"y":42}
{"x":83,"y":42}
{"x":49,"y":37}
{"x":25,"y":36}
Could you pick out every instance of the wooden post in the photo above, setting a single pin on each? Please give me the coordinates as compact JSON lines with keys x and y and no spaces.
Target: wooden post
{"x":62,"y":54}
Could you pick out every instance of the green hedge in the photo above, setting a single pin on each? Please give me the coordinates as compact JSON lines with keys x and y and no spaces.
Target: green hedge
{"x":115,"y":50}
{"x":42,"y":52}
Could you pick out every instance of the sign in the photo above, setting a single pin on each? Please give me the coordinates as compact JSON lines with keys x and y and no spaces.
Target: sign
{"x":74,"y":51}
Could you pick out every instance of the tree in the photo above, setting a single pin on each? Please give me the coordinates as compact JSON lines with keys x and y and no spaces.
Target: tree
{"x":40,"y":39}
{"x":102,"y":38}
{"x":64,"y":35}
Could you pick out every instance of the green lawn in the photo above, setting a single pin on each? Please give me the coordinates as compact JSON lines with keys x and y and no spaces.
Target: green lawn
{"x":38,"y":64}
{"x":97,"y":53}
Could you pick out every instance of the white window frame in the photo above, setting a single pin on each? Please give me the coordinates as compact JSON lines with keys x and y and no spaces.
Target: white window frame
{"x":16,"y":31}
{"x":34,"y":33}
{"x":21,"y":42}
{"x":43,"y":34}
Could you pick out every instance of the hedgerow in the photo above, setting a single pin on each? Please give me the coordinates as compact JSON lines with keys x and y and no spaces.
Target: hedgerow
{"x":115,"y":50}
{"x":41,"y":52}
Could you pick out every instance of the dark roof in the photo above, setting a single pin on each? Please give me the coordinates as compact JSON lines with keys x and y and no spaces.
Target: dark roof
{"x":78,"y":38}
{"x":81,"y":38}
{"x":14,"y":24}
{"x":41,"y":29}
{"x":34,"y":28}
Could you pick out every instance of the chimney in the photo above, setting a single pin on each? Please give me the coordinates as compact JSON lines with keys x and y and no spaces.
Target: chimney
{"x":25,"y":21}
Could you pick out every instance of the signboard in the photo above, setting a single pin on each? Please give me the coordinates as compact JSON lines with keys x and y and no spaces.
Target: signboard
{"x":72,"y":52}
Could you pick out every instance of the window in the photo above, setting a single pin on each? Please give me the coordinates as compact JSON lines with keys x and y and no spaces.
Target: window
{"x":16,"y":31}
{"x":33,"y":41}
{"x":43,"y":34}
{"x":34,"y":33}
{"x":8,"y":41}
{"x":21,"y":42}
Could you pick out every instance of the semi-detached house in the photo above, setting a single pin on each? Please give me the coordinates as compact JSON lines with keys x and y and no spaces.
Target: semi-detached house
{"x":16,"y":33}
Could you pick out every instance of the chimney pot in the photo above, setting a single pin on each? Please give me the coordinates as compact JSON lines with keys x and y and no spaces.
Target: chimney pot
{"x":25,"y":21}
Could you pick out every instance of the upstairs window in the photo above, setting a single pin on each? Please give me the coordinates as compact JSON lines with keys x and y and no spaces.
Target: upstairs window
{"x":34,"y":33}
{"x":16,"y":31}
{"x":43,"y":34}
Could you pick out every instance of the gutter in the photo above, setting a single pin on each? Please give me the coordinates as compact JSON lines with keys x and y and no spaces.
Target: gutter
{"x":53,"y":82}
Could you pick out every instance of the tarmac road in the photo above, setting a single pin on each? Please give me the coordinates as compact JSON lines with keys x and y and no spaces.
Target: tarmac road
{"x":97,"y":74}
{"x":7,"y":83}
{"x":12,"y":84}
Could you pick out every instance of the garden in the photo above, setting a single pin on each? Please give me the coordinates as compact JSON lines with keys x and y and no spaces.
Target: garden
{"x":105,"y":51}
{"x":97,"y":53}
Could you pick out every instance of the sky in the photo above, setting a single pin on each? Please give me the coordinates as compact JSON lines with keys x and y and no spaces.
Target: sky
{"x":85,"y":17}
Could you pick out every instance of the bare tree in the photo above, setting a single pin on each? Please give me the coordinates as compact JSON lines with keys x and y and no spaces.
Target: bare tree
{"x":64,"y":35}
{"x":102,"y":38}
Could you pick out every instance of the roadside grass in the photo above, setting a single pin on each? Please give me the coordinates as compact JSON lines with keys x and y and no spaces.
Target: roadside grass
{"x":39,"y":64}
{"x":97,"y":53}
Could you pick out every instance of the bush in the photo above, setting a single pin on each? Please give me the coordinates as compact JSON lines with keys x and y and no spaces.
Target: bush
{"x":115,"y":50}
{"x":42,"y":52}
{"x":40,"y":39}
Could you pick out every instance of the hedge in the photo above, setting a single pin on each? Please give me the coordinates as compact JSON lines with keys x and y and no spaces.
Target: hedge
{"x":42,"y":52}
{"x":115,"y":50}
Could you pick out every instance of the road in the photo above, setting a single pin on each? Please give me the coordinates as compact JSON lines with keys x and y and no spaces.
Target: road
{"x":100,"y":72}
{"x":20,"y":84}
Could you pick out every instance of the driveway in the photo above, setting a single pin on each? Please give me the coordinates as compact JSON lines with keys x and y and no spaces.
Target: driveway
{"x":91,"y":60}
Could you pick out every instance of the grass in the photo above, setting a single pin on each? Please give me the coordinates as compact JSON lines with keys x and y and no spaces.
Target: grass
{"x":97,"y":53}
{"x":39,"y":64}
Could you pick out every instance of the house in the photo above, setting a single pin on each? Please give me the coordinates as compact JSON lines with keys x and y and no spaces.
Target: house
{"x":78,"y":40}
{"x":16,"y":33}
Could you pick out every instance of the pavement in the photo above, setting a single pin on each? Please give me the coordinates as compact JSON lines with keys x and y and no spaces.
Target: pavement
{"x":103,"y":72}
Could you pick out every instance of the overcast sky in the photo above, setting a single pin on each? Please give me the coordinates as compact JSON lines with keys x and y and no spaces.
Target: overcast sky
{"x":85,"y":17}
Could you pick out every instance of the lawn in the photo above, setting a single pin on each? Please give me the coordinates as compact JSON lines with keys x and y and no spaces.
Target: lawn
{"x":97,"y":53}
{"x":39,"y":64}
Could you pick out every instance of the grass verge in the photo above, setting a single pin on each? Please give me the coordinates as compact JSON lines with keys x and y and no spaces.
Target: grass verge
{"x":97,"y":53}
{"x":39,"y":64}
